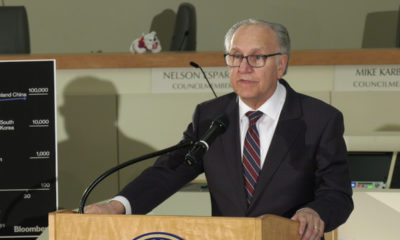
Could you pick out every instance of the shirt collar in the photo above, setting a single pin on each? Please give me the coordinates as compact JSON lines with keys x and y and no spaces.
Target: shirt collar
{"x":272,"y":107}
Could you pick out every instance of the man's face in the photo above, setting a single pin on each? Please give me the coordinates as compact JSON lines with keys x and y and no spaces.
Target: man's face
{"x":256,"y":85}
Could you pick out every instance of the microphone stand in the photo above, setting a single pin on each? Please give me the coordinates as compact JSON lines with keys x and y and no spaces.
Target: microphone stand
{"x":193,"y":64}
{"x":125,"y":164}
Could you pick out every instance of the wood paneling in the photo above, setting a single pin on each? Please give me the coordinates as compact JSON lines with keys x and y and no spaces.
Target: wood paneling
{"x":208,"y":59}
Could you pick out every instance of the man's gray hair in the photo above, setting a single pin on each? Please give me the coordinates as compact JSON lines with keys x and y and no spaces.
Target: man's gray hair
{"x":281,"y":33}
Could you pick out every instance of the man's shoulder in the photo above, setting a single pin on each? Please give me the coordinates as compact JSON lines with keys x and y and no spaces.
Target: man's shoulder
{"x":314,"y":103}
{"x":315,"y":113}
{"x":209,"y":110}
{"x":222,"y":100}
{"x":307,"y":102}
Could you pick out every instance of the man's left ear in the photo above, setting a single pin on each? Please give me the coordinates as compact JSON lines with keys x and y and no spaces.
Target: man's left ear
{"x":282,"y":63}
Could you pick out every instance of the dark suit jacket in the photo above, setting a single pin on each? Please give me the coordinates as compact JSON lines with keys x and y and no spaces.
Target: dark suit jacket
{"x":305,"y":166}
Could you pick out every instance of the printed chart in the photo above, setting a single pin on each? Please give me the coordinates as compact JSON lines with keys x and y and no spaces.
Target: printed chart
{"x":28,"y":153}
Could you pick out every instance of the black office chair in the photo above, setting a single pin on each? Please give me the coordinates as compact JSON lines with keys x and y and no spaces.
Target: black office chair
{"x":184,"y":37}
{"x":398,"y":29}
{"x":14,"y":31}
{"x":382,"y":30}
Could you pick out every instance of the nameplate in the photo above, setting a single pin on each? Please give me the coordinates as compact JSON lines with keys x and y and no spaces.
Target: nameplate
{"x":189,"y":80}
{"x":367,"y":78}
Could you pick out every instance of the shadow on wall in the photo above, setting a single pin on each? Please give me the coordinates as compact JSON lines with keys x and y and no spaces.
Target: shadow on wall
{"x":389,"y":128}
{"x":176,"y":31}
{"x":382,"y":30}
{"x":163,"y":25}
{"x":94,"y":142}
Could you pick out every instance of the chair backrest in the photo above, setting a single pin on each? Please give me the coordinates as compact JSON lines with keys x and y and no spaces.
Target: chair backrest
{"x":382,"y":30}
{"x":14,"y":30}
{"x":398,"y":29}
{"x":184,"y":37}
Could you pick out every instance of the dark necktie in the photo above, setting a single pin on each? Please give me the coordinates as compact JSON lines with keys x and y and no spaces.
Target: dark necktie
{"x":251,"y":155}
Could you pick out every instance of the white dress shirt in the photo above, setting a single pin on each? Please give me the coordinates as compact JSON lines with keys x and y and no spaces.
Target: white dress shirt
{"x":266,"y":125}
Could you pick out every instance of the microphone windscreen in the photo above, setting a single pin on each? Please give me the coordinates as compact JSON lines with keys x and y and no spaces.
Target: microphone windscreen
{"x":222,"y":122}
{"x":193,"y":64}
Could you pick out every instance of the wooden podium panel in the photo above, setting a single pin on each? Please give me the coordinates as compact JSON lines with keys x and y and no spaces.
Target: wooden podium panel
{"x":68,"y":225}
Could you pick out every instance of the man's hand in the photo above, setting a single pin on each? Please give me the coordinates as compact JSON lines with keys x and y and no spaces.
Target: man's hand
{"x":311,"y":226}
{"x":112,"y":207}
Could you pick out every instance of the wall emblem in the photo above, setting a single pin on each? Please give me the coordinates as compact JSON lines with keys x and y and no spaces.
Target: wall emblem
{"x":158,"y":236}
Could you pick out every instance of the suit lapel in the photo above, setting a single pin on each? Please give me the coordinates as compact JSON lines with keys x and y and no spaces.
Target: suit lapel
{"x":285,"y":134}
{"x":232,"y":154}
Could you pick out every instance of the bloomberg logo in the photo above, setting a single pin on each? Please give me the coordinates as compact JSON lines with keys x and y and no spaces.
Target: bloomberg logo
{"x":158,"y":236}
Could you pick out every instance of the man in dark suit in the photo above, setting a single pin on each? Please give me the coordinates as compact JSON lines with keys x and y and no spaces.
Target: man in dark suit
{"x":290,"y":161}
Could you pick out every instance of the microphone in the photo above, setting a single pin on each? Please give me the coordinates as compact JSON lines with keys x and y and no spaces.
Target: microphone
{"x":193,"y":64}
{"x":217,"y":127}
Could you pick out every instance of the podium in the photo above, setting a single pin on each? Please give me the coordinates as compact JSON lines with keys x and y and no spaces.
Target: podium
{"x":67,"y":225}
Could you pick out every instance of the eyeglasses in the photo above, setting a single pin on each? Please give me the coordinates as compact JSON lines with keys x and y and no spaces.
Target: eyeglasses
{"x":255,"y":61}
